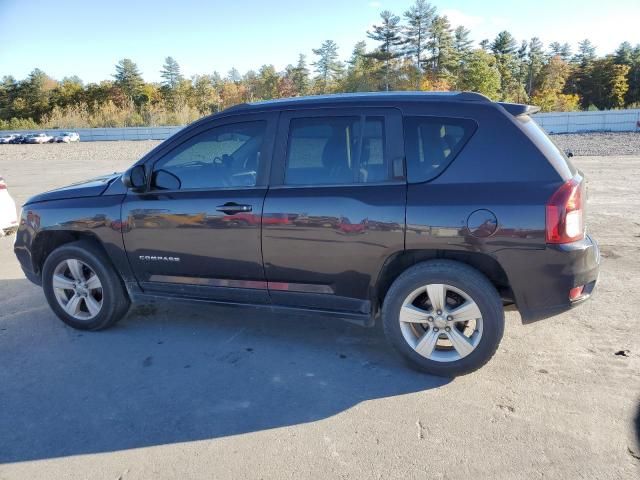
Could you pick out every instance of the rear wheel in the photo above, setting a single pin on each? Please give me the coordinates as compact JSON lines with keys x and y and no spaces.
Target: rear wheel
{"x":82,"y":287}
{"x":444,"y":317}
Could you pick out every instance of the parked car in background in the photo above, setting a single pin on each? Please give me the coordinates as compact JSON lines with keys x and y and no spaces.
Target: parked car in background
{"x":22,"y":138}
{"x":67,"y":137}
{"x":7,"y":138}
{"x":17,"y":139}
{"x":8,"y":214}
{"x":39,"y":138}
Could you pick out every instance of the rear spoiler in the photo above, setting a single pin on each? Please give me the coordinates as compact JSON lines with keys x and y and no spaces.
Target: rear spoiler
{"x":516,"y":109}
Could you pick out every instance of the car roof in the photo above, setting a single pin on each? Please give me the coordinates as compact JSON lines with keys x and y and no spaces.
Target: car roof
{"x":355,"y":98}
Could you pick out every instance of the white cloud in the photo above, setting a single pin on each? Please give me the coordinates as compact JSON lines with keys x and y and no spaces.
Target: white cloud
{"x":375,"y":4}
{"x":457,"y":18}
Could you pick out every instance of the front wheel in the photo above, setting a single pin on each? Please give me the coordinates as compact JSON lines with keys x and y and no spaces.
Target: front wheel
{"x":444,"y":317}
{"x":82,"y":287}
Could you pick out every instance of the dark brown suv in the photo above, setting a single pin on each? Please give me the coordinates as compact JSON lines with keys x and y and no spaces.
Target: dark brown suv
{"x":431,"y":211}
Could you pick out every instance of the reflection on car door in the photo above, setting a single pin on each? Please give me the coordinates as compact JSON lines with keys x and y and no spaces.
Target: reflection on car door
{"x":338,"y":180}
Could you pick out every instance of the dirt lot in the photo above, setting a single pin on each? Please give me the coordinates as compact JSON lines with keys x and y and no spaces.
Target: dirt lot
{"x":188,"y":392}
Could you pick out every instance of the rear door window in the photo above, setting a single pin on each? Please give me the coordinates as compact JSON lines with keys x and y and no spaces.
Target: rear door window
{"x":336,"y":150}
{"x":432,"y":143}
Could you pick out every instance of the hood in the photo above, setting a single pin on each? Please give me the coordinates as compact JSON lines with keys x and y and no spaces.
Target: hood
{"x":88,"y":188}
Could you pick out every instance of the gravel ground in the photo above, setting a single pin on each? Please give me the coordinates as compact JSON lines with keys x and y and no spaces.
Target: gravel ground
{"x":600,"y":143}
{"x":177,"y":391}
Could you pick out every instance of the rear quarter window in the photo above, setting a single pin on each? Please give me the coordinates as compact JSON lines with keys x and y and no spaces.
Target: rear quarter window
{"x":432,"y":143}
{"x":547,"y":147}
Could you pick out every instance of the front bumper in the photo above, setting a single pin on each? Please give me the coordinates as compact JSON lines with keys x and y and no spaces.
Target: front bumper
{"x":541,"y":279}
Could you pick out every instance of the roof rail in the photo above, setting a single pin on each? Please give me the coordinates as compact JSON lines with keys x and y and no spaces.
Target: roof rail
{"x":460,"y":96}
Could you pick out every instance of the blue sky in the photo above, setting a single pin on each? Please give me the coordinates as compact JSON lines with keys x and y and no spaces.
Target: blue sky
{"x":66,"y":37}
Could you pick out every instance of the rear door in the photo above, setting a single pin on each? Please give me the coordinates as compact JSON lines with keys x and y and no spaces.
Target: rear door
{"x":335,"y":207}
{"x":196,"y":231}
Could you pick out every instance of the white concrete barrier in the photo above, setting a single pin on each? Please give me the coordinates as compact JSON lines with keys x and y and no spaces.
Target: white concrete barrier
{"x":603,"y":121}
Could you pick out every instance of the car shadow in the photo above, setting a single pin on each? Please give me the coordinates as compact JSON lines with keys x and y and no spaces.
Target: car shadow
{"x":173,"y":372}
{"x":637,"y":431}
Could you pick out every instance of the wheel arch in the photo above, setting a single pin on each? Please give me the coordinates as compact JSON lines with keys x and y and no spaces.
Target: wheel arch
{"x":47,"y":241}
{"x":398,"y":262}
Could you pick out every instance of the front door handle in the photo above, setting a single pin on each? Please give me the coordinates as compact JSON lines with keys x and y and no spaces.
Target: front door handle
{"x":231,"y":208}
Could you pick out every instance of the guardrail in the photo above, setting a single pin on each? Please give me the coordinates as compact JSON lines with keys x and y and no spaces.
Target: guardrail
{"x":560,"y":122}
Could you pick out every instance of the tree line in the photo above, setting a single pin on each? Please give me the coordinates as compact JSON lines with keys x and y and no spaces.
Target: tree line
{"x":418,"y":50}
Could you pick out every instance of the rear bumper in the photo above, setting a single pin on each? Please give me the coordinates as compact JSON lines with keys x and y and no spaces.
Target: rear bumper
{"x":541,"y":279}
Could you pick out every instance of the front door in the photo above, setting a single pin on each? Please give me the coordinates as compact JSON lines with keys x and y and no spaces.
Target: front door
{"x":196,"y":231}
{"x":335,"y":208}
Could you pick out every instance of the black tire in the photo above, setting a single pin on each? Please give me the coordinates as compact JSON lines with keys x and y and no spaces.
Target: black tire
{"x":463,"y":277}
{"x":115,"y":300}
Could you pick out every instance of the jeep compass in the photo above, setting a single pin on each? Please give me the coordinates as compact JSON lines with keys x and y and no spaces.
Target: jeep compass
{"x":430,"y":212}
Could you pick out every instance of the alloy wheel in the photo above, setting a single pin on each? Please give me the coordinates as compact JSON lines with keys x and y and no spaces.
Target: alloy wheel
{"x":441,"y":322}
{"x":77,"y":289}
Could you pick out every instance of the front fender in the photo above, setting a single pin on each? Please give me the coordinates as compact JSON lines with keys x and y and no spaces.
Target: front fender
{"x":66,"y":220}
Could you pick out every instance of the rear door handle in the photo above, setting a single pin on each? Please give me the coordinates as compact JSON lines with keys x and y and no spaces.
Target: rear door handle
{"x":231,"y":208}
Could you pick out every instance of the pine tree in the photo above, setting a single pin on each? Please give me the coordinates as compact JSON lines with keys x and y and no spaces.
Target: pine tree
{"x":441,"y":46}
{"x":300,"y":76}
{"x":234,"y":75}
{"x":419,"y":18}
{"x":462,"y":43}
{"x":170,"y":73}
{"x":462,"y":48}
{"x":624,"y":53}
{"x":562,"y":50}
{"x":388,"y":34}
{"x":327,"y":66}
{"x":128,"y":78}
{"x":505,"y":48}
{"x":586,"y":53}
{"x":504,"y":44}
{"x":535,"y":61}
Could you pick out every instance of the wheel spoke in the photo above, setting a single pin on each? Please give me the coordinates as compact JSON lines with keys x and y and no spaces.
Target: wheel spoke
{"x":437,"y":293}
{"x":413,"y":314}
{"x":60,"y":281}
{"x":467,"y":311}
{"x":92,"y":305}
{"x":93,"y":282}
{"x":459,"y":342}
{"x":427,"y":343}
{"x":75,"y":267}
{"x":73,"y":305}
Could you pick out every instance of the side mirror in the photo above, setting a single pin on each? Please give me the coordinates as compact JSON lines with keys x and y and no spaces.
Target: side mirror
{"x":135,"y":178}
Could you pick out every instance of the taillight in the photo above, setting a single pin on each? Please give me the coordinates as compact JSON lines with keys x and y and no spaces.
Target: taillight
{"x":3,"y":186}
{"x":565,"y":212}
